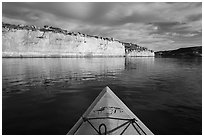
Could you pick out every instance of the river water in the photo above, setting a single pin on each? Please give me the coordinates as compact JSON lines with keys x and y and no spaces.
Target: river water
{"x":48,"y":95}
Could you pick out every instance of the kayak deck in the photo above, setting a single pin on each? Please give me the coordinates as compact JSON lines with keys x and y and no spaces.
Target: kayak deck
{"x":109,"y":115}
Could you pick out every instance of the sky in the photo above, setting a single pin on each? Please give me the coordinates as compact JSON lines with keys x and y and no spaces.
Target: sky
{"x":155,"y":25}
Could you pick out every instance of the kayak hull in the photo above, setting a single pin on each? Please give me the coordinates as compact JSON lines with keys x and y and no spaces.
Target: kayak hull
{"x":109,"y":115}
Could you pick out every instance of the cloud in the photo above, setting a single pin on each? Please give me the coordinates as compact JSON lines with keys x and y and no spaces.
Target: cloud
{"x":155,"y":25}
{"x":194,"y":17}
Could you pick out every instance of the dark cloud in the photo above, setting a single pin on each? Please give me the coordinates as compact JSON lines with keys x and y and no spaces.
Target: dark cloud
{"x":163,"y":27}
{"x":195,"y":17}
{"x":166,"y":26}
{"x":89,"y":12}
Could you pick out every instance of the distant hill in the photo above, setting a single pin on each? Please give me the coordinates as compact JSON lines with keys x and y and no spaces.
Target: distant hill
{"x":182,"y":52}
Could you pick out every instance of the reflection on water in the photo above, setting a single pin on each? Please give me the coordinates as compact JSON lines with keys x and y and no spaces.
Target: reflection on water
{"x":19,"y":74}
{"x":48,"y":95}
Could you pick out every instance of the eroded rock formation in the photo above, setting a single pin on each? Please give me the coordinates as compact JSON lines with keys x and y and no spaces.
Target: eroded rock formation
{"x":32,"y":41}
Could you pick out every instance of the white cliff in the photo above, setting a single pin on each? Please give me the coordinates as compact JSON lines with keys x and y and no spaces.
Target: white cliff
{"x":30,"y":41}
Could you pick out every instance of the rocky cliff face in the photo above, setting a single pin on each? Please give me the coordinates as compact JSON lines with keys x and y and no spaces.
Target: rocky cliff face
{"x":30,"y":41}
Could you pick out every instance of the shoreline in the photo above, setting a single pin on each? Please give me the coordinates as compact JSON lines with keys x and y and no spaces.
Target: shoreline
{"x":75,"y":56}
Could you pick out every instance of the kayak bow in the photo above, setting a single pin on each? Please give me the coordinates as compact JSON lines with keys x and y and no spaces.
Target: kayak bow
{"x":108,"y":115}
